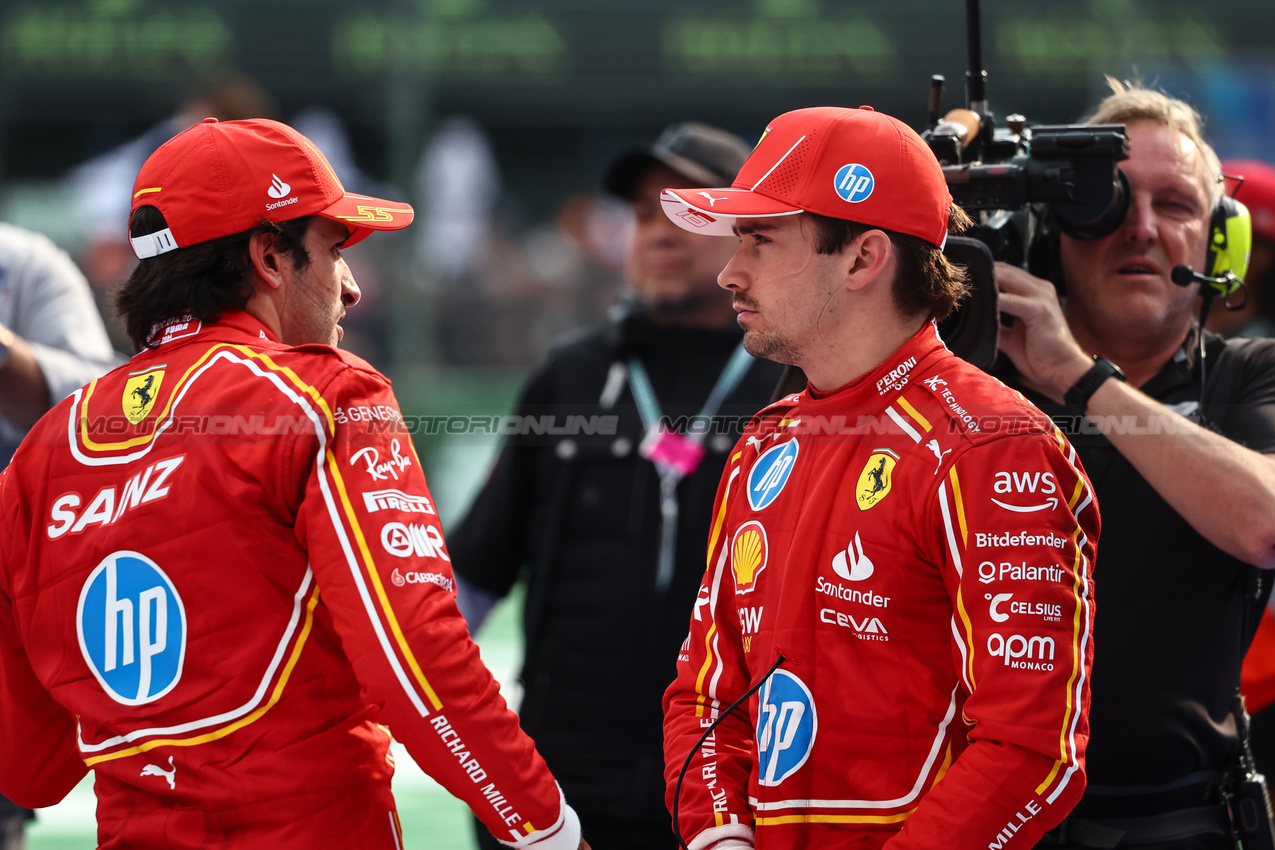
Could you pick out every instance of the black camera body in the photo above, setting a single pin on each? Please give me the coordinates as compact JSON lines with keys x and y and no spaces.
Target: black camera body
{"x":1023,"y":186}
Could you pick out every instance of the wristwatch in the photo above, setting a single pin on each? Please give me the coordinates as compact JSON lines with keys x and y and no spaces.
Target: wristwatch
{"x":1099,"y":372}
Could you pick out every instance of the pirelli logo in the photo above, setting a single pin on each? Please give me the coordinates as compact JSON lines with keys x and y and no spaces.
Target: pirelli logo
{"x":396,"y":500}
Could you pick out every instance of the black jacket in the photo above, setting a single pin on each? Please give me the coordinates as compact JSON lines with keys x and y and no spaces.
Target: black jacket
{"x":581,"y":514}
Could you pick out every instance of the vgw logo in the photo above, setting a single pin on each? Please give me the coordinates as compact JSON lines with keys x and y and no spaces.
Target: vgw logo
{"x":770,"y":473}
{"x":786,"y":727}
{"x":854,"y":183}
{"x":132,"y":628}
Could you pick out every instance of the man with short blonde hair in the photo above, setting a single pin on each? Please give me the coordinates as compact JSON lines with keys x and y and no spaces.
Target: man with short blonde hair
{"x":1179,"y":447}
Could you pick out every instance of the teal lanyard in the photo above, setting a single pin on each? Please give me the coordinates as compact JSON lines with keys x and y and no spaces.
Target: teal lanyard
{"x":649,"y":409}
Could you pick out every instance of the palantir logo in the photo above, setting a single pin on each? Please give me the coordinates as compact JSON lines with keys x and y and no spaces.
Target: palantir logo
{"x":770,"y":473}
{"x":786,"y":727}
{"x":854,"y":183}
{"x":278,"y":189}
{"x":132,"y":628}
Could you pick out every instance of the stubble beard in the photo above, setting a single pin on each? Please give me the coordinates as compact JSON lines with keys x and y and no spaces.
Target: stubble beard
{"x":771,"y":346}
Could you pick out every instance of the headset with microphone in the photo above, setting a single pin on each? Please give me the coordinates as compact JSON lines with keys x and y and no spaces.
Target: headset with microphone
{"x":1230,"y":245}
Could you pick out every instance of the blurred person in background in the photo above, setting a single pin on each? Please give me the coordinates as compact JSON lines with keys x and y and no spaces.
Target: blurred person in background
{"x":1180,"y":454}
{"x":51,"y":342}
{"x":609,"y":527}
{"x":1257,"y":316}
{"x":99,"y":187}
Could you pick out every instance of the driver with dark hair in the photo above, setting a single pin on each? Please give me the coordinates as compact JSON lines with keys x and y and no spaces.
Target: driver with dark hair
{"x":223,"y":582}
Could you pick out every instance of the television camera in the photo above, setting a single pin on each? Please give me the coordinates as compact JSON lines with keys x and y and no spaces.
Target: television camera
{"x":1023,"y":186}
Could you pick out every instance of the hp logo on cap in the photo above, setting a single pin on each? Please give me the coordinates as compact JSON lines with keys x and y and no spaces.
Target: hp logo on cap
{"x":853,"y":183}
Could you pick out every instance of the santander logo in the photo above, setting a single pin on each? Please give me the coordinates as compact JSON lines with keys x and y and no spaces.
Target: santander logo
{"x":278,"y":189}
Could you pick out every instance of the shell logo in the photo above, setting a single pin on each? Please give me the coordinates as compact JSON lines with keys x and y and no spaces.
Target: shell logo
{"x":748,"y":555}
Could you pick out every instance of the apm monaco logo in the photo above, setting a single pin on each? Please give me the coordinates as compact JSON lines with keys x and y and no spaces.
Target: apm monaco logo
{"x":854,"y":183}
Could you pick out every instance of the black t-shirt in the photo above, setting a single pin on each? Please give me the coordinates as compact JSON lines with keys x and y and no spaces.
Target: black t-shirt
{"x":1174,"y":614}
{"x":580,"y":513}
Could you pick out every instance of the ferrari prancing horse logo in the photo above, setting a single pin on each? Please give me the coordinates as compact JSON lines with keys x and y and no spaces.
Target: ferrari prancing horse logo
{"x":874,"y":480}
{"x":140,"y":391}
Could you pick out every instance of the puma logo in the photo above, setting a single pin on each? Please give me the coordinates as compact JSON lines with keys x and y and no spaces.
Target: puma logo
{"x":156,"y":770}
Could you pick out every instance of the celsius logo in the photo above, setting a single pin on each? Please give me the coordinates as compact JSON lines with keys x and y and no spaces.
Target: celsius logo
{"x":998,"y":616}
{"x":278,"y":189}
{"x":786,"y":727}
{"x":852,"y":565}
{"x":853,"y":183}
{"x":132,"y":628}
{"x":770,"y":473}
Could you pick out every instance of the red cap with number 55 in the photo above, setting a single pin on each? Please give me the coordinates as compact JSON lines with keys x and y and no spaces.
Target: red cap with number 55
{"x":219,"y":178}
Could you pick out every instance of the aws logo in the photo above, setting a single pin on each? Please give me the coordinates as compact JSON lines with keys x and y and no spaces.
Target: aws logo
{"x":1026,"y":484}
{"x":748,"y":556}
{"x":140,"y":391}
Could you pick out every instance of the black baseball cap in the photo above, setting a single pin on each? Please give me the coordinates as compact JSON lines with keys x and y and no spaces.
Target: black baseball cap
{"x":702,"y":154}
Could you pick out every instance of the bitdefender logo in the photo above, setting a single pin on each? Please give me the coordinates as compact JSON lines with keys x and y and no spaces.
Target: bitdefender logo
{"x":278,"y":189}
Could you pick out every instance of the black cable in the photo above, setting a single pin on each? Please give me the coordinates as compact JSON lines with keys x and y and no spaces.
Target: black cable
{"x":677,"y":790}
{"x":1204,"y":317}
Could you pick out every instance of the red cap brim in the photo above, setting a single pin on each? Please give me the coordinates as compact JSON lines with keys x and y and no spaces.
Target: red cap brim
{"x":713,"y":212}
{"x":363,"y":214}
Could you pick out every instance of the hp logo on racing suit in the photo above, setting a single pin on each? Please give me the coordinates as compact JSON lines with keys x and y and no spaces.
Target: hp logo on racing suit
{"x":770,"y":473}
{"x":132,"y":628}
{"x":786,"y":727}
{"x":854,"y":183}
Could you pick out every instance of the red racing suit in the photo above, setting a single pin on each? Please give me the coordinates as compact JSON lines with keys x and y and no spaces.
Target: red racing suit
{"x":915,"y":550}
{"x":222,"y":578}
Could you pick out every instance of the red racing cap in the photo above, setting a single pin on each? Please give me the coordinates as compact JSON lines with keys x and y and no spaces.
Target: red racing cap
{"x":854,"y":164}
{"x":223,"y":177}
{"x":1257,"y":192}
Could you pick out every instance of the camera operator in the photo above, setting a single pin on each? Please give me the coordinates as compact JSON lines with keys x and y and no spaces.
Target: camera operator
{"x":1184,"y":477}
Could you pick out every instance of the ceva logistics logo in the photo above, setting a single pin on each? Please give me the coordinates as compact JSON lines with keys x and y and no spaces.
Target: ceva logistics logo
{"x":770,"y":473}
{"x":786,"y":727}
{"x":132,"y":628}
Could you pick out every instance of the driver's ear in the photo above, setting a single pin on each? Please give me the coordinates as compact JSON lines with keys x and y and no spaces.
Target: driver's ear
{"x":266,"y":258}
{"x":871,"y":254}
